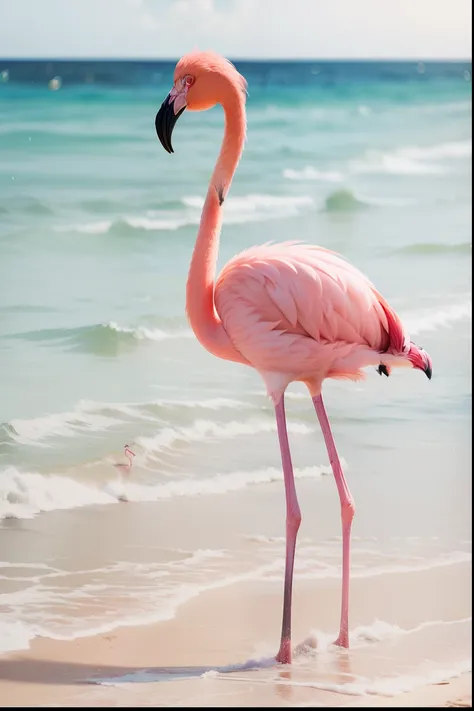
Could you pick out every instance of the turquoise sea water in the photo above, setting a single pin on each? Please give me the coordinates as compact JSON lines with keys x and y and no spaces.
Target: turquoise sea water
{"x":97,"y":225}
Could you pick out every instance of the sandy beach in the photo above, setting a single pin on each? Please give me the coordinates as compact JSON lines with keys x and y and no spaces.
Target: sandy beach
{"x":217,"y":651}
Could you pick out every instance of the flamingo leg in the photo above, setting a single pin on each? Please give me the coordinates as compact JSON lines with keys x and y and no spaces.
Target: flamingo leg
{"x":293,"y":520}
{"x":347,"y":514}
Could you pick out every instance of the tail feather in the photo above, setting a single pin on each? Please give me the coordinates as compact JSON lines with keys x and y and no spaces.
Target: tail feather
{"x":399,"y":343}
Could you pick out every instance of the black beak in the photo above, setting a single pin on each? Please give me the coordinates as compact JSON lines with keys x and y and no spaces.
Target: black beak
{"x":428,"y":372}
{"x":164,"y":123}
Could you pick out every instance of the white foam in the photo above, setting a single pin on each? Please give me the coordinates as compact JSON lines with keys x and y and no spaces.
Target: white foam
{"x":201,"y":555}
{"x":256,"y":207}
{"x":207,"y":428}
{"x":87,"y":416}
{"x":63,"y":424}
{"x":219,"y":484}
{"x":152,"y":334}
{"x":403,"y":684}
{"x":259,"y":538}
{"x":379,"y":631}
{"x":14,"y":636}
{"x":150,"y":223}
{"x":314,"y":569}
{"x":95,"y":416}
{"x":92,"y":228}
{"x":164,"y":611}
{"x":388,"y":686}
{"x":454,"y":149}
{"x":130,"y":409}
{"x":394,"y":163}
{"x":431,"y":320}
{"x":413,"y":160}
{"x":310,"y":173}
{"x":216,"y":403}
{"x":155,"y":603}
{"x":135,"y":409}
{"x":358,"y":686}
{"x":25,"y":494}
{"x":238,"y":210}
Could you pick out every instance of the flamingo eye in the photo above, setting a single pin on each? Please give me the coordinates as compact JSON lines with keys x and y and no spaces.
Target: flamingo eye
{"x":188,"y":80}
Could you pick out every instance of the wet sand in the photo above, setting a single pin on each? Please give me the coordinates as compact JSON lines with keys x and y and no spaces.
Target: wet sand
{"x":176,"y":662}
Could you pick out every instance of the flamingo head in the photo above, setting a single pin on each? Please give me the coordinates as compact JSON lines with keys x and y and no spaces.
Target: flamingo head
{"x":201,"y":80}
{"x":128,"y":452}
{"x":420,"y":360}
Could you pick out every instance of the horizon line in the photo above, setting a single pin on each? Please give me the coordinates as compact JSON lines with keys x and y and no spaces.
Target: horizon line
{"x":239,"y":59}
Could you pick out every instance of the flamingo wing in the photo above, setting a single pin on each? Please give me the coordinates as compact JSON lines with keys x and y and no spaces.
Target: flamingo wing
{"x":293,"y":307}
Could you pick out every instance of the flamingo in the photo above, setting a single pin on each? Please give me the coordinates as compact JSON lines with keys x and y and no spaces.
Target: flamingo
{"x":124,"y":468}
{"x":291,"y":311}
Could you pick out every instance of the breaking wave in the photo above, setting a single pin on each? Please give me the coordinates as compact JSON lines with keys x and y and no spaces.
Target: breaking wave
{"x":23,"y":495}
{"x":238,"y":210}
{"x":102,"y":338}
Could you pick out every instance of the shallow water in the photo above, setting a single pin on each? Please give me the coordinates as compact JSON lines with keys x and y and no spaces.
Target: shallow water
{"x":96,"y":230}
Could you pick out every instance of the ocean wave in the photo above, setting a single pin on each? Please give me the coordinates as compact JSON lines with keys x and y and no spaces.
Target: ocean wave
{"x":427,"y":248}
{"x":431,"y":320}
{"x":343,"y":201}
{"x":144,"y":333}
{"x":243,"y":208}
{"x":64,"y":424}
{"x":128,"y":226}
{"x":317,"y":643}
{"x":202,"y":554}
{"x":348,"y":201}
{"x":27,"y":205}
{"x":169,"y":436}
{"x":23,"y":495}
{"x":449,"y":107}
{"x":86,"y":417}
{"x":102,"y":338}
{"x":407,"y":160}
{"x":395,"y":164}
{"x":379,"y":631}
{"x":215,"y":403}
{"x":18,"y":636}
{"x":238,"y":210}
{"x":159,"y":593}
{"x":413,"y":160}
{"x":387,"y":686}
{"x":92,"y":416}
{"x":312,"y":568}
{"x":310,"y":173}
{"x":451,"y":150}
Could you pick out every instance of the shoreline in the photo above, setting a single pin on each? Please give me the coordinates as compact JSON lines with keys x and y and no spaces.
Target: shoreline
{"x":174,"y":662}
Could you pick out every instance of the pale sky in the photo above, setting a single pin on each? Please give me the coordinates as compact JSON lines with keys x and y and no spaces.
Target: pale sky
{"x":411,"y":29}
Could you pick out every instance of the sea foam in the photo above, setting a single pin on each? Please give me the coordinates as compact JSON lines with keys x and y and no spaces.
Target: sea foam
{"x":442,"y":318}
{"x":238,"y":210}
{"x":25,"y":494}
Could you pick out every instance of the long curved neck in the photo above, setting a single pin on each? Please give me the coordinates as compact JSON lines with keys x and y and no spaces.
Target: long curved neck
{"x":200,"y":306}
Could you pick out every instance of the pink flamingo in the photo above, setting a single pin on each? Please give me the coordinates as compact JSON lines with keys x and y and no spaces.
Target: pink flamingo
{"x":294,"y":312}
{"x":124,"y":468}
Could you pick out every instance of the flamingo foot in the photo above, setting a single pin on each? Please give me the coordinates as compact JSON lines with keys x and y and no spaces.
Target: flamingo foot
{"x":284,"y":655}
{"x":342,"y":640}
